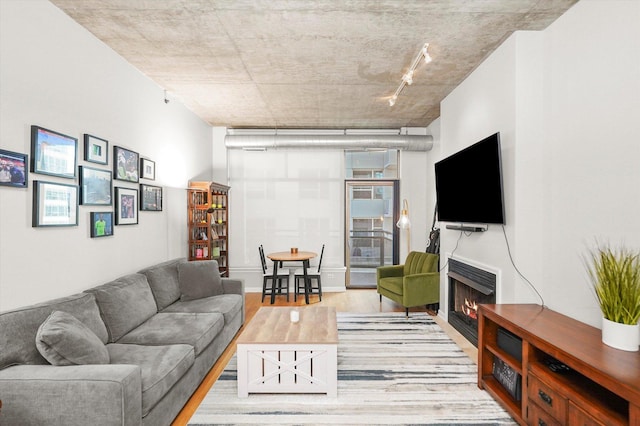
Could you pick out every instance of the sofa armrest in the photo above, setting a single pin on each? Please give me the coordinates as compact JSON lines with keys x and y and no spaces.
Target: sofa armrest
{"x":233,"y":286}
{"x":72,"y":395}
{"x":389,"y":271}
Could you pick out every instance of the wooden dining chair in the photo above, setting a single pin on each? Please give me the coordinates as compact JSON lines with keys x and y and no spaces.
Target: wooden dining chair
{"x":314,"y":276}
{"x":280,"y":287}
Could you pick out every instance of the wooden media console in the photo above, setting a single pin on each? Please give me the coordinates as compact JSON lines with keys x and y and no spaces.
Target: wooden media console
{"x":565,"y":374}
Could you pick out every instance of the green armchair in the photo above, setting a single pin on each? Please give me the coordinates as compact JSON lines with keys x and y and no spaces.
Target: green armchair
{"x":415,"y":283}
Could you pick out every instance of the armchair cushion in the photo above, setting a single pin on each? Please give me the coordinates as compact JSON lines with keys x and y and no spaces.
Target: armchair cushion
{"x":393,"y":284}
{"x":417,"y":263}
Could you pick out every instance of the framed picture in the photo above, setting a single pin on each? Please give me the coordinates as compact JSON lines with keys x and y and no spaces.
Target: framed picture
{"x":125,"y":164}
{"x":54,"y":204}
{"x":96,"y":150}
{"x":13,"y":169}
{"x":147,"y":169}
{"x":53,"y":153}
{"x":150,"y":198}
{"x":101,"y":224}
{"x":95,"y":187}
{"x":126,"y":206}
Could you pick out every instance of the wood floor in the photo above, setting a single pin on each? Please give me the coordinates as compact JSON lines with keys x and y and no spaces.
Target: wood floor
{"x":353,"y":300}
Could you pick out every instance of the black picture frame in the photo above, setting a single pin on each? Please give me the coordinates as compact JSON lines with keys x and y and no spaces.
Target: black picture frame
{"x":101,"y":224}
{"x":150,"y":198}
{"x":54,"y":204}
{"x":126,"y":206}
{"x":96,"y":150}
{"x":147,"y":169}
{"x":14,"y":169}
{"x":53,"y":153}
{"x":95,"y":187}
{"x":126,"y":164}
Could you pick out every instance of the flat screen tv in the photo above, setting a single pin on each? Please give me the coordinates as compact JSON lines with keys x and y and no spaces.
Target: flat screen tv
{"x":469,"y":184}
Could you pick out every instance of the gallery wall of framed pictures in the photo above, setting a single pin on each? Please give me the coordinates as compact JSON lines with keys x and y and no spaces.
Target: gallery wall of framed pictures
{"x":57,"y":197}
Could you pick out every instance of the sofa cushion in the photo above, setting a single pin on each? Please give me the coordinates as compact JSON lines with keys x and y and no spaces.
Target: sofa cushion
{"x":199,"y":279}
{"x":124,"y":304}
{"x":163,"y":280}
{"x":63,"y":340}
{"x":227,"y":304}
{"x":18,"y":328}
{"x":195,"y":329}
{"x":161,"y":367}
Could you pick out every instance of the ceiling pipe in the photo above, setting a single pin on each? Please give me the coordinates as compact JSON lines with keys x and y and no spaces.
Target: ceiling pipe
{"x":347,"y":142}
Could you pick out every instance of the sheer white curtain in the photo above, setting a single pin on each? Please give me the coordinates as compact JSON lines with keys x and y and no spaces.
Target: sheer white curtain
{"x":283,"y":199}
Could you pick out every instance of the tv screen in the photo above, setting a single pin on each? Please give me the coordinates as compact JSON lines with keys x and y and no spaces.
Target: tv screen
{"x":469,"y":184}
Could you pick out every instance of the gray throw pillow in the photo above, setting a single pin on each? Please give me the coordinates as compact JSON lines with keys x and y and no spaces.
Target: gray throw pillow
{"x":199,"y":279}
{"x":63,"y":340}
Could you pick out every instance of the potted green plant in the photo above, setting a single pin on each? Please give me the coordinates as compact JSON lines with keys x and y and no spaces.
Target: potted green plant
{"x":615,"y":278}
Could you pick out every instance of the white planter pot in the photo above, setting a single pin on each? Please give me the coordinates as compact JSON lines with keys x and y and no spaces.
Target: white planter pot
{"x":620,"y":336}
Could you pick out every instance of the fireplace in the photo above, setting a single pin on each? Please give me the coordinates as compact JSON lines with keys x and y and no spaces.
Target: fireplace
{"x":468,"y":287}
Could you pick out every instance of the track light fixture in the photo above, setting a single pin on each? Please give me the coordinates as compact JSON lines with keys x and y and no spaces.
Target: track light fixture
{"x":407,"y":79}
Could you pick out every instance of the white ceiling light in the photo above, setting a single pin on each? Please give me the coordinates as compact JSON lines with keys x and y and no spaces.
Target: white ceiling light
{"x":425,"y":53}
{"x":407,"y":79}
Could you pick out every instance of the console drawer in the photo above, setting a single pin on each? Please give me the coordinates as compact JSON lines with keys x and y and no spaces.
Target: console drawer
{"x":579,"y":417}
{"x":536,"y":416}
{"x":547,"y":399}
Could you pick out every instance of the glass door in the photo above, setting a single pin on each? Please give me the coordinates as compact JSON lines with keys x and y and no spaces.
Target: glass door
{"x":371,"y":235}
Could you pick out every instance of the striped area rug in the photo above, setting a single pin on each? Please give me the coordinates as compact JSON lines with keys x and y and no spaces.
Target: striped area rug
{"x":391,"y":370}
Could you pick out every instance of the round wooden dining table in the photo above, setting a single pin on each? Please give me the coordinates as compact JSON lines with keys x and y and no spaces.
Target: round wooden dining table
{"x":289,"y":256}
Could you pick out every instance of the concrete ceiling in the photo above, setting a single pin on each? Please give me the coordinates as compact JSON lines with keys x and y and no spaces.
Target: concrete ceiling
{"x":308,"y":63}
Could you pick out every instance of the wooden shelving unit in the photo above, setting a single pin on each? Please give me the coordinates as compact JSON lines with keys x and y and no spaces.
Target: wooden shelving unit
{"x":208,"y":223}
{"x":601,"y":386}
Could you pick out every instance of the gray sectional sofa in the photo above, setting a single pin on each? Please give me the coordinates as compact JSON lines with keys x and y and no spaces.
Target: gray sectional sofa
{"x":129,"y":352}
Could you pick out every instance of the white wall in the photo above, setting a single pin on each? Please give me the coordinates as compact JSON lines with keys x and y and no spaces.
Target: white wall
{"x":55,"y":74}
{"x":592,"y":143}
{"x":566,"y":103}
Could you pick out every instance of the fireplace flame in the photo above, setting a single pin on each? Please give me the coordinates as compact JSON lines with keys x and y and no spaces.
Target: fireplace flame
{"x":470,"y":308}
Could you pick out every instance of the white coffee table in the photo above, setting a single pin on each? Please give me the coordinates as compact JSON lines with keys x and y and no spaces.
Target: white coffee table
{"x":276,"y":355}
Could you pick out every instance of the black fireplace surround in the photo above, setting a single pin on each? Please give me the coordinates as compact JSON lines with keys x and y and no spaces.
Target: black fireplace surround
{"x":468,"y":287}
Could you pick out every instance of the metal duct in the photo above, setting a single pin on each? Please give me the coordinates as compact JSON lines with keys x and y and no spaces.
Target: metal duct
{"x":347,"y":142}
